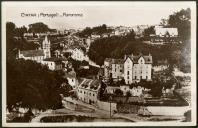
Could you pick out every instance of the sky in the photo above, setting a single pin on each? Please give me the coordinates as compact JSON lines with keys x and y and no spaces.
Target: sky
{"x":93,"y":13}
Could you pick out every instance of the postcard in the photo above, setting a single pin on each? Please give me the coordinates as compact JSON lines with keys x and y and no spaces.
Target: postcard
{"x":98,"y":63}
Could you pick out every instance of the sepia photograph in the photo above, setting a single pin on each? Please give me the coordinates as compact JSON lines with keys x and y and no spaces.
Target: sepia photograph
{"x":98,"y":63}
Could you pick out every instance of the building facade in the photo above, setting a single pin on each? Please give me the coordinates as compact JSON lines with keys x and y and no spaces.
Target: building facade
{"x":87,"y":91}
{"x":131,"y":68}
{"x":54,"y":63}
{"x":163,"y":34}
{"x":71,"y":78}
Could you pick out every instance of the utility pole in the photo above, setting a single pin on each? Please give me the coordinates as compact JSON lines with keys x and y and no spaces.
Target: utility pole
{"x":110,"y":98}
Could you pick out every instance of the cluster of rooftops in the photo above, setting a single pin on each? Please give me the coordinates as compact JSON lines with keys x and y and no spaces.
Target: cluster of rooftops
{"x":134,"y":59}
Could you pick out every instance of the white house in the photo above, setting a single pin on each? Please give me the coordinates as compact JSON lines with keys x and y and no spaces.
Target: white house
{"x":164,"y":34}
{"x":54,"y":63}
{"x":71,"y":77}
{"x":137,"y":68}
{"x":78,"y":54}
{"x":131,"y":68}
{"x":88,"y":91}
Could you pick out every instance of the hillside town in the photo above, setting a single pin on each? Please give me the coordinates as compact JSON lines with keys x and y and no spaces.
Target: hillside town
{"x":98,"y":84}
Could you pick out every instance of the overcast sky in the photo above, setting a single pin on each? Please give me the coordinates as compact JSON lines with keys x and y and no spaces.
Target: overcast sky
{"x":94,"y":13}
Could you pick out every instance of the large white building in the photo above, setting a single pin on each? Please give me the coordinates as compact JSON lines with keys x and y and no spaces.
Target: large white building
{"x":37,"y":55}
{"x":131,"y":68}
{"x":164,"y":34}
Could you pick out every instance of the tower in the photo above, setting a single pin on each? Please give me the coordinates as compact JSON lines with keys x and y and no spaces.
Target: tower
{"x":46,"y":47}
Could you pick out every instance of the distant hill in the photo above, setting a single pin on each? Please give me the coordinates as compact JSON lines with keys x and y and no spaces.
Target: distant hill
{"x":98,"y":30}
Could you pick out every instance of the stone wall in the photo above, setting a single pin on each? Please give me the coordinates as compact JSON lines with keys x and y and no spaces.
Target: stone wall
{"x":127,"y":108}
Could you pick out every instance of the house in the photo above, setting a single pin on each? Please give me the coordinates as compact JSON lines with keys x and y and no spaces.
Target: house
{"x":137,"y":68}
{"x":113,"y":68}
{"x":72,"y":79}
{"x":111,"y":89}
{"x":87,"y":91}
{"x":164,"y":34}
{"x":131,"y":68}
{"x":134,"y":91}
{"x":54,"y":63}
{"x":37,"y":55}
{"x":78,"y":54}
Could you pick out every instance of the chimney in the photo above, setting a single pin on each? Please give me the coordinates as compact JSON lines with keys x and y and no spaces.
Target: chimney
{"x":149,"y":54}
{"x":125,"y":56}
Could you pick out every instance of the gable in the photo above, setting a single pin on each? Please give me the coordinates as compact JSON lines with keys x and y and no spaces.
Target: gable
{"x":141,"y":60}
{"x":128,"y":60}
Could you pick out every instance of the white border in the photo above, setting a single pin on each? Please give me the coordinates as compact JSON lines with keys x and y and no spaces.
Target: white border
{"x":192,"y":5}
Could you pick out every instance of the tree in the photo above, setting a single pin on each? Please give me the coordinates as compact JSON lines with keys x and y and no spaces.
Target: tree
{"x":101,"y":91}
{"x":122,"y":82}
{"x":128,"y":94}
{"x":20,"y":31}
{"x":38,"y":27}
{"x":181,"y":20}
{"x":10,"y":28}
{"x":118,"y":92}
{"x":148,"y":31}
{"x":33,"y":84}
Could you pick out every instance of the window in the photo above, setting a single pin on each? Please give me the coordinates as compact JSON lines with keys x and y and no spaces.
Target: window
{"x":146,"y":77}
{"x":120,"y":70}
{"x":127,"y":72}
{"x":127,"y":77}
{"x":140,"y":77}
{"x":84,"y":92}
{"x":135,"y":77}
{"x":90,"y":94}
{"x":93,"y":95}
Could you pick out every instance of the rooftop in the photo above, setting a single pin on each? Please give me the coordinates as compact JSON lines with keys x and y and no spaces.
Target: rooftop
{"x":55,"y":59}
{"x":147,"y":58}
{"x":32,"y":53}
{"x":90,"y":84}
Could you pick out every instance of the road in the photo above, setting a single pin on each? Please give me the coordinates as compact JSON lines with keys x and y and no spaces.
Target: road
{"x":98,"y":113}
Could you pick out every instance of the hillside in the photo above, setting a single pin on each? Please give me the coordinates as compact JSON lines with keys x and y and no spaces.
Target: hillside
{"x":117,"y":47}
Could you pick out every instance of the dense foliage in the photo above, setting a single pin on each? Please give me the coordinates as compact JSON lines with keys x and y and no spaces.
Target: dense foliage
{"x":33,"y":85}
{"x":29,"y":83}
{"x":39,"y":27}
{"x":99,"y":30}
{"x":148,"y":31}
{"x":181,"y":20}
{"x":117,"y":47}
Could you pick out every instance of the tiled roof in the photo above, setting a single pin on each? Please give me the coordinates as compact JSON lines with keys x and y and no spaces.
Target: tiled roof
{"x":55,"y":59}
{"x":147,"y":58}
{"x":32,"y":53}
{"x":90,"y":84}
{"x":71,"y":74}
{"x":114,"y":61}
